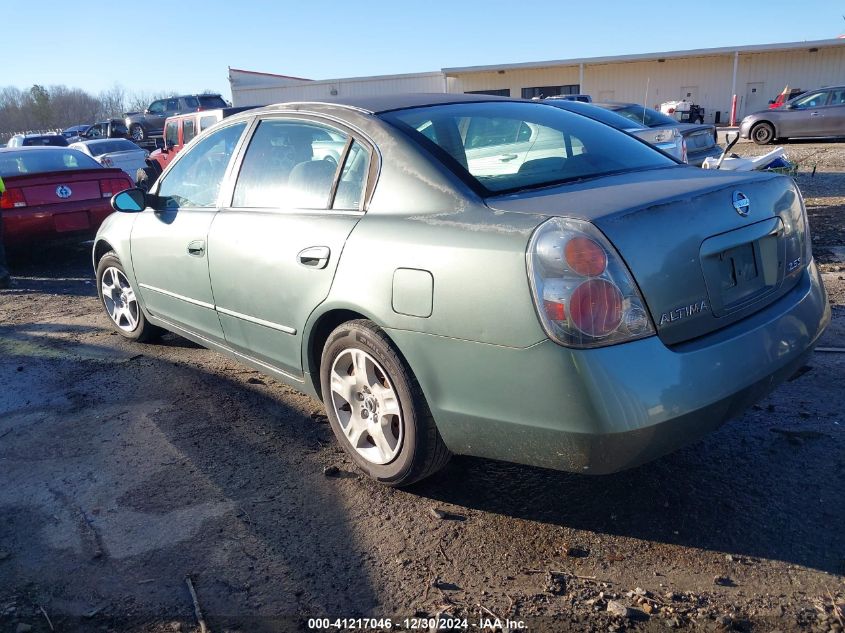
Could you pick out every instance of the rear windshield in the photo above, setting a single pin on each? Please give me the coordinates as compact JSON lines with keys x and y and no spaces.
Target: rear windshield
{"x":107,"y":147}
{"x":56,"y":139}
{"x":645,"y":116}
{"x":38,"y":161}
{"x":505,"y":146}
{"x":212,"y":101}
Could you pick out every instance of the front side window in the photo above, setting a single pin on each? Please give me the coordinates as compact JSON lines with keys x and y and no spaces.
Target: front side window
{"x":157,"y":107}
{"x":212,"y":101}
{"x":207,"y":122}
{"x":192,"y":102}
{"x":194,"y":180}
{"x":563,"y":146}
{"x":188,"y":131}
{"x":281,"y":168}
{"x":814,"y":100}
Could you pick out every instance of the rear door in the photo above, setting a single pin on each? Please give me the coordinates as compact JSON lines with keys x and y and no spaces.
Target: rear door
{"x":169,"y":243}
{"x":273,"y":252}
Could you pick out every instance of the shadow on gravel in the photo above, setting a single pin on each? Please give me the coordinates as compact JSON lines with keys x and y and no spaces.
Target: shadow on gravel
{"x":739,"y":491}
{"x":58,"y":269}
{"x":168,"y":470}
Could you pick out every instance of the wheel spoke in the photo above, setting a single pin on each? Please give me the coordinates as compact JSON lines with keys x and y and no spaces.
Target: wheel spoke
{"x":343,"y":386}
{"x":384,"y":444}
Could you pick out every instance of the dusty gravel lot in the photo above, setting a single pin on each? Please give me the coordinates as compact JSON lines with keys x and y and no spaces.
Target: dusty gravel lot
{"x":125,"y":468}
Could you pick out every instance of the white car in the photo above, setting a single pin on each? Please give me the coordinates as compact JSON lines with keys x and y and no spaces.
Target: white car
{"x":115,"y":152}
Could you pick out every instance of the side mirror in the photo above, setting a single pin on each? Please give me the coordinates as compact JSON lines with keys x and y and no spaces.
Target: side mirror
{"x":129,"y":201}
{"x":789,"y":106}
{"x":146,"y":110}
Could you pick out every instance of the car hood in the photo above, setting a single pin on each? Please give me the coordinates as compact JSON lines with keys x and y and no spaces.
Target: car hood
{"x":676,"y":227}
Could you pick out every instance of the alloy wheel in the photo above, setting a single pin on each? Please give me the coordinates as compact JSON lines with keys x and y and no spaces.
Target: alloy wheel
{"x":367,"y":406}
{"x":119,"y":299}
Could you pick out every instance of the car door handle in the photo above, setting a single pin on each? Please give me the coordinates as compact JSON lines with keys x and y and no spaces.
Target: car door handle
{"x":815,"y":113}
{"x":508,"y":157}
{"x":314,"y":257}
{"x":196,"y":248}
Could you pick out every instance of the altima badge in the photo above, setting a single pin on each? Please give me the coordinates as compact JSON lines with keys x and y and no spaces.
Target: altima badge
{"x":741,"y":203}
{"x":63,"y":191}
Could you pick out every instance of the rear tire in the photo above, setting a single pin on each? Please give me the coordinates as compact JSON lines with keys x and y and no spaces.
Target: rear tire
{"x":120,"y":302}
{"x":762,"y":133}
{"x":376,"y":407}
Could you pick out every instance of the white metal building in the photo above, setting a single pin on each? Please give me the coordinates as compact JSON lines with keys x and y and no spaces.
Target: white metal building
{"x":708,"y":77}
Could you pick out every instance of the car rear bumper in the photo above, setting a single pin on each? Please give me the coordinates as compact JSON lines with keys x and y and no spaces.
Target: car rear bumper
{"x":28,"y":224}
{"x":603,"y":410}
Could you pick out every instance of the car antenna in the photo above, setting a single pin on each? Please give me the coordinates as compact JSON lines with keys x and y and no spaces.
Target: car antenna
{"x":645,"y":99}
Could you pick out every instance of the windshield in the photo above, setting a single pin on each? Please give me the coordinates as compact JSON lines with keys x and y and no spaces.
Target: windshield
{"x":39,"y":161}
{"x":107,"y":147}
{"x":506,"y":146}
{"x":645,"y":116}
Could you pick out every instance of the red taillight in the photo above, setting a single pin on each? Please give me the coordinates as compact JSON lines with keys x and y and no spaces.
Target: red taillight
{"x":112,"y":186}
{"x":105,"y":161}
{"x":596,"y":307}
{"x":12,"y":199}
{"x":585,"y":257}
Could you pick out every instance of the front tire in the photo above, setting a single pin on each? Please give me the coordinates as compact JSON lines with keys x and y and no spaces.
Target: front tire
{"x":137,"y":132}
{"x":376,"y":407}
{"x":120,"y":302}
{"x":763,"y":133}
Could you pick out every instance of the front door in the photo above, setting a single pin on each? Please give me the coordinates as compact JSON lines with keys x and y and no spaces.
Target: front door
{"x":806,"y":116}
{"x":274,"y":251}
{"x":169,"y":242}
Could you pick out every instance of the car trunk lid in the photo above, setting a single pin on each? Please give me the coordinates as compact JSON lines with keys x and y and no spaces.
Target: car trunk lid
{"x":66,"y":186}
{"x":698,"y":261}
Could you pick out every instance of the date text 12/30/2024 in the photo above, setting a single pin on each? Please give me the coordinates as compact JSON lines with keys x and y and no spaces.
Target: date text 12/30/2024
{"x":415,"y":624}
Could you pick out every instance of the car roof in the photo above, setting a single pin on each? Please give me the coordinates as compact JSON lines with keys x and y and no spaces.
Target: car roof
{"x":595,"y":111}
{"x":34,"y":148}
{"x":386,"y":103}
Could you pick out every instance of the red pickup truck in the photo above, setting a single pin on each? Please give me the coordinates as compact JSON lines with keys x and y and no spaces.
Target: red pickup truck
{"x":179,"y":130}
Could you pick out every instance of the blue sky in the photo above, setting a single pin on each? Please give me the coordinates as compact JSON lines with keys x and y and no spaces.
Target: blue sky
{"x":188,"y":46}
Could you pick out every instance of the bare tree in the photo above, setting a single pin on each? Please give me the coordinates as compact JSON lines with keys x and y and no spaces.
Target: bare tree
{"x":113,"y":102}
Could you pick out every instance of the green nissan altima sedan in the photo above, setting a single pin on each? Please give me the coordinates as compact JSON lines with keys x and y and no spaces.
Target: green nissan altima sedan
{"x":472,"y":275}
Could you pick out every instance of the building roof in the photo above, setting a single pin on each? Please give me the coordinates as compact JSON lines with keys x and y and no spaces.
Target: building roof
{"x":384,"y":103}
{"x":698,"y":52}
{"x":255,"y":72}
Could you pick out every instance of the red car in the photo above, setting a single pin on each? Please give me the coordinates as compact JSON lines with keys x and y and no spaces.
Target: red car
{"x":54,"y":191}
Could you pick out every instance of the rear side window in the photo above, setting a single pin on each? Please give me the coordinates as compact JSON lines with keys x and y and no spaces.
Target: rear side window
{"x":171,"y":133}
{"x":40,"y":161}
{"x":188,"y":131}
{"x":191,"y":102}
{"x":353,"y":177}
{"x":281,"y":168}
{"x":194,"y":179}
